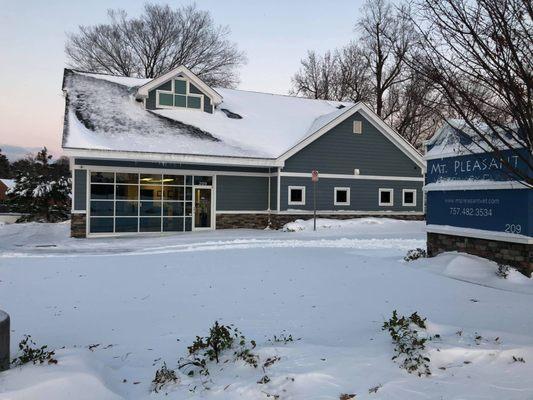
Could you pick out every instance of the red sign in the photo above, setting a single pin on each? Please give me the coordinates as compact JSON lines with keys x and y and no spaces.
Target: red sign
{"x":314,"y":175}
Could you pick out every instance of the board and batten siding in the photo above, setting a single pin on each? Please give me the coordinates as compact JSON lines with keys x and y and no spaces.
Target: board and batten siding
{"x":340,"y":151}
{"x":241,"y":193}
{"x":80,"y":190}
{"x":364,"y":194}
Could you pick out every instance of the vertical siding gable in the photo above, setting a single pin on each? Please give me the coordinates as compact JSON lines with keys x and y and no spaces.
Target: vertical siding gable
{"x":340,"y":151}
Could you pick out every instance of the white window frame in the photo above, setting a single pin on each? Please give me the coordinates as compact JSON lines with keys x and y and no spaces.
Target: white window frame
{"x":413,"y":204}
{"x":296,"y":203}
{"x":340,"y":203}
{"x":172,"y":92}
{"x":391,"y":191}
{"x":357,"y":127}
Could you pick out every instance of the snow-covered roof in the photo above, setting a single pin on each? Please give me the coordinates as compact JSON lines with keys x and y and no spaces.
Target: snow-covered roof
{"x":102,"y":113}
{"x":10,"y":183}
{"x":456,"y":137}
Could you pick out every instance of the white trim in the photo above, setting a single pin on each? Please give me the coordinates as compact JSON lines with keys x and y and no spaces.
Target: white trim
{"x":473,"y":185}
{"x":197,"y":172}
{"x":169,"y":157}
{"x":479,"y":233}
{"x":173,"y":93}
{"x":380,"y":203}
{"x":323,"y":212}
{"x":388,"y":132}
{"x":362,"y":177}
{"x":278,"y":192}
{"x":295,"y":203}
{"x":337,"y":189}
{"x":243,"y":212}
{"x":145,"y":89}
{"x":404,"y":191}
{"x":383,"y":213}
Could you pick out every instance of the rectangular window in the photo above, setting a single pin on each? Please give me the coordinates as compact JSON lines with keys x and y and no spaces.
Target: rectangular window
{"x":180,"y":101}
{"x":297,"y":195}
{"x":194,"y":102}
{"x":409,"y":197}
{"x":386,"y":197}
{"x":342,"y":196}
{"x":166,"y":99}
{"x":358,"y":127}
{"x":130,"y":202}
{"x":180,"y":87}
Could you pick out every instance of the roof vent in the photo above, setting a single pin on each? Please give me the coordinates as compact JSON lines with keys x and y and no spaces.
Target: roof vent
{"x":341,"y":106}
{"x":230,"y":114}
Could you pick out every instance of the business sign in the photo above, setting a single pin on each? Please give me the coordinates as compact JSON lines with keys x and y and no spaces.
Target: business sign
{"x":508,"y":211}
{"x":483,"y":166}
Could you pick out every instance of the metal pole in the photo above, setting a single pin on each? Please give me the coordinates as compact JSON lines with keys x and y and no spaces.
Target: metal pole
{"x":314,"y":206}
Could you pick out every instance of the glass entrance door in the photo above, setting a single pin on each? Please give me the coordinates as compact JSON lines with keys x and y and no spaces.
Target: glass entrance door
{"x":202,"y":208}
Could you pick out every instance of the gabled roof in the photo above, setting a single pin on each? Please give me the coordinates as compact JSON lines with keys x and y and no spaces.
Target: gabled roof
{"x":103,"y":115}
{"x":10,"y":183}
{"x":455,"y":137}
{"x":184,"y":71}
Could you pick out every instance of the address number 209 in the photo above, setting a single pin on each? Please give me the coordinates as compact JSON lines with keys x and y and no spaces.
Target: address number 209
{"x":513,"y":228}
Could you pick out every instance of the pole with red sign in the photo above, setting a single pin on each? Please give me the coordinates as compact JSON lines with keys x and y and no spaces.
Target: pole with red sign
{"x":314,"y":179}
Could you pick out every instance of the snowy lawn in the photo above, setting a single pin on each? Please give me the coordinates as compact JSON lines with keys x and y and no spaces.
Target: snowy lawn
{"x":116,"y":309}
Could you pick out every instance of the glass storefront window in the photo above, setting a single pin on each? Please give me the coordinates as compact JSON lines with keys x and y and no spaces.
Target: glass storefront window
{"x":102,"y":177}
{"x":132,"y":202}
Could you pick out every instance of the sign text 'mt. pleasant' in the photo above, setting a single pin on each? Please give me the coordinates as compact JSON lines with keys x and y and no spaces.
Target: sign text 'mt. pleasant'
{"x":472,"y":166}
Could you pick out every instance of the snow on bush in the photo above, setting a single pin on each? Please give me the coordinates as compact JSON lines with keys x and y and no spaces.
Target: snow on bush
{"x":415,"y":254}
{"x":409,"y":346}
{"x":29,"y":352}
{"x":211,"y":348}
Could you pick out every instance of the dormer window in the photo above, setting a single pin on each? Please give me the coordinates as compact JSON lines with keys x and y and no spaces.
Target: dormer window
{"x":180,"y":96}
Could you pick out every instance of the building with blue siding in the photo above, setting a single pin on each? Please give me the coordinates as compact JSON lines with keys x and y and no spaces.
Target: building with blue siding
{"x":475,"y":203}
{"x":172,"y":154}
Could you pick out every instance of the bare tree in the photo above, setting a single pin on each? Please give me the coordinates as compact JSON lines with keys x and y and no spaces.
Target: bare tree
{"x":386,"y":37}
{"x":479,"y":56}
{"x":317,"y":77}
{"x":354,"y":73}
{"x":159,"y":40}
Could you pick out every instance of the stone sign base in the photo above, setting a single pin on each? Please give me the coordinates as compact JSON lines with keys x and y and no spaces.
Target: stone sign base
{"x":517,"y":255}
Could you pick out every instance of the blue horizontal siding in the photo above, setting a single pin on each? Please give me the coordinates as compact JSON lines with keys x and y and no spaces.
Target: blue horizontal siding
{"x":340,"y":151}
{"x":363,"y":194}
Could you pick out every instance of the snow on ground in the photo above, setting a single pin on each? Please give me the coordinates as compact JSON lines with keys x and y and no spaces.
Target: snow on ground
{"x":143,"y":301}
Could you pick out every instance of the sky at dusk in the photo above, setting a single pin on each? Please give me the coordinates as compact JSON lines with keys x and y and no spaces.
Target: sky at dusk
{"x":274,"y":34}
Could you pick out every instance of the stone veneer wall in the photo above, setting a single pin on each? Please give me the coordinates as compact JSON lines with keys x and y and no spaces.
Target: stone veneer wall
{"x":261,"y":221}
{"x":517,"y":255}
{"x":78,"y":225}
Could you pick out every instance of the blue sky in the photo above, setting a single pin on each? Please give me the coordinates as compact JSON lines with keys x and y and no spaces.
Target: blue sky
{"x":274,"y":34}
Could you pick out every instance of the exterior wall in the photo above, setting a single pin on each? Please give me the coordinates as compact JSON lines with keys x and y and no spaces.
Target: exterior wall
{"x":517,"y":255}
{"x":80,"y":190}
{"x":274,"y":193}
{"x":241,"y":193}
{"x":78,"y":225}
{"x":363,"y":194}
{"x":247,"y":221}
{"x":276,"y":221}
{"x":340,"y":151}
{"x":151,"y":100}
